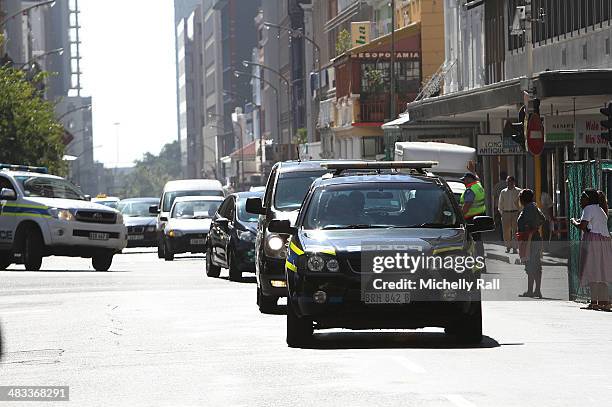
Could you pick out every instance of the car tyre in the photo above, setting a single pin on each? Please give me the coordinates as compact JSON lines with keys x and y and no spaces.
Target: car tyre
{"x":299,"y":329}
{"x":32,"y":254}
{"x":5,"y":260}
{"x":160,"y":250}
{"x":234,"y":272}
{"x":267,"y":305}
{"x":102,"y":262}
{"x":211,"y":269}
{"x":468,"y":328}
{"x":168,"y":255}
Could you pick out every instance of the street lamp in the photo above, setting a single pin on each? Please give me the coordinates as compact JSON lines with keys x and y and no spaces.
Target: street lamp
{"x":58,"y":51}
{"x":298,"y":33}
{"x":240,"y":167}
{"x":25,"y":11}
{"x":88,"y":107}
{"x":289,"y":99}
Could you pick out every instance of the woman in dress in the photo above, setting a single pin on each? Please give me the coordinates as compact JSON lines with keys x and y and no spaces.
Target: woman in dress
{"x":529,"y":222}
{"x":596,"y":255}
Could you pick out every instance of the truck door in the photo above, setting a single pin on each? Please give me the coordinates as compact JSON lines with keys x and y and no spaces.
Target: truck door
{"x":8,"y":223}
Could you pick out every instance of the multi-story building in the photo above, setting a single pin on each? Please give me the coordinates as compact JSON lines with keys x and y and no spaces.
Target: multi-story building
{"x":485,"y":84}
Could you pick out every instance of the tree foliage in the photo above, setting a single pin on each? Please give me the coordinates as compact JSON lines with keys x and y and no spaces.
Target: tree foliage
{"x":29,"y":132}
{"x":153,"y":171}
{"x":343,"y":43}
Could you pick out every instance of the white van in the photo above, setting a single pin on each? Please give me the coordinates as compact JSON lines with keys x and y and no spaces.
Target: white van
{"x":179,"y":188}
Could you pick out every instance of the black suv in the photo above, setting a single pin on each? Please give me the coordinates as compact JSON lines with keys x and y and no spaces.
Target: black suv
{"x":348,"y":220}
{"x":287,"y":185}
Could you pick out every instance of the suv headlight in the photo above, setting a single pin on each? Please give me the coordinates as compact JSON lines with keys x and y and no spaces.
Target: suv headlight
{"x":275,"y":246}
{"x":246,"y":235}
{"x":119,"y":218}
{"x":151,"y":228}
{"x":62,"y":214}
{"x":317,"y":263}
{"x":175,"y":233}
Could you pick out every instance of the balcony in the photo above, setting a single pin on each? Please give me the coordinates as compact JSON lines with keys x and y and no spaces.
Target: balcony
{"x":377,"y":110}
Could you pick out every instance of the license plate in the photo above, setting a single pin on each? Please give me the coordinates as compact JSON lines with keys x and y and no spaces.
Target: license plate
{"x":197,"y":242}
{"x":136,"y":237}
{"x":98,"y":236}
{"x":386,"y":298}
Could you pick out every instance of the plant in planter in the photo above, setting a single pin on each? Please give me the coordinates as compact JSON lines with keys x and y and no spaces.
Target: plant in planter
{"x":374,"y":79}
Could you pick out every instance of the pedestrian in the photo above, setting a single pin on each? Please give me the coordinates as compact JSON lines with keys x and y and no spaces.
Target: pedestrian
{"x":547,"y":209}
{"x":473,"y":204}
{"x":596,"y":249}
{"x":497,"y":188}
{"x":508,"y":204}
{"x":529,"y":222}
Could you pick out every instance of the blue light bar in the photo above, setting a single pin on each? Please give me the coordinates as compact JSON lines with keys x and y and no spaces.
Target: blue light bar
{"x":25,"y":168}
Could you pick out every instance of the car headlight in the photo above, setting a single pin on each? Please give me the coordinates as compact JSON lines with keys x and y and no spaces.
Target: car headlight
{"x":62,"y":214}
{"x":275,"y":246}
{"x":246,"y":235}
{"x":175,"y":233}
{"x":151,"y":228}
{"x":119,"y":218}
{"x":315,"y":263}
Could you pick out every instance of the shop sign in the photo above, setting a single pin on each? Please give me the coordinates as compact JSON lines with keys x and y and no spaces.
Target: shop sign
{"x":406,"y":55}
{"x":559,"y":129}
{"x":496,"y":144}
{"x":588,"y":132}
{"x":360,"y":33}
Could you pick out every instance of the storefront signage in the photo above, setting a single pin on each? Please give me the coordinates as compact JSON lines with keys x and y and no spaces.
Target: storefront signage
{"x":559,"y":129}
{"x":386,"y":55}
{"x":588,"y":132}
{"x":360,"y":33}
{"x":496,"y":144}
{"x":585,"y":133}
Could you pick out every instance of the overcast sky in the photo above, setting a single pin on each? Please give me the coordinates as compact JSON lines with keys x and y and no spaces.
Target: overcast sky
{"x":129,"y":69}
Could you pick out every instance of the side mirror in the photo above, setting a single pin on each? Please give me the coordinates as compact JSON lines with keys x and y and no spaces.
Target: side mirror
{"x":482,"y":224}
{"x":7,"y":195}
{"x":281,"y":226}
{"x":154,"y":209}
{"x":163,"y":219}
{"x":222,"y":222}
{"x":254,"y":205}
{"x":87,"y":197}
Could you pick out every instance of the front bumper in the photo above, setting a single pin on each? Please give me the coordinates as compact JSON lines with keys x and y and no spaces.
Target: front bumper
{"x":272,"y":270}
{"x":144,"y":239}
{"x":187,"y":243}
{"x":64,"y":234}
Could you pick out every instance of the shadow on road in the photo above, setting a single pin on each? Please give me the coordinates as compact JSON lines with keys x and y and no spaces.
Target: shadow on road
{"x":390,"y":340}
{"x":65,"y":271}
{"x":243,"y":280}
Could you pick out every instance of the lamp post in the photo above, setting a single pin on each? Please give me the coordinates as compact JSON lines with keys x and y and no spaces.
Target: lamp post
{"x":88,"y":107}
{"x":241,"y":144}
{"x":25,"y":11}
{"x":289,"y":99}
{"x":58,"y":51}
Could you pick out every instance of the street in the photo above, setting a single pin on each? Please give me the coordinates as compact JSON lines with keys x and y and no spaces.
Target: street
{"x":160,"y":333}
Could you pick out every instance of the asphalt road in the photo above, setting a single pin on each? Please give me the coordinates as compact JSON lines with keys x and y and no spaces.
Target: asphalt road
{"x":152,"y":333}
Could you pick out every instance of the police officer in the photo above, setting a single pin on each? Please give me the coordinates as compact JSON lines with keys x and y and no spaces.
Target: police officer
{"x":473,"y":204}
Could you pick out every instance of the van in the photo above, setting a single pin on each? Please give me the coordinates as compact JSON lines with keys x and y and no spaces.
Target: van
{"x":179,"y":188}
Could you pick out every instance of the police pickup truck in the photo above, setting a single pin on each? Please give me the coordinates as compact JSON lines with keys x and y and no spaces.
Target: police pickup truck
{"x":46,"y":215}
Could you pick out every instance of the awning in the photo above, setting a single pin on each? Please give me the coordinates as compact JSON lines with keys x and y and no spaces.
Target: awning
{"x":394,"y":124}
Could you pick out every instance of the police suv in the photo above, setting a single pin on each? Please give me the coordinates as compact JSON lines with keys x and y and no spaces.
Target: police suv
{"x":46,"y":215}
{"x":351,"y":225}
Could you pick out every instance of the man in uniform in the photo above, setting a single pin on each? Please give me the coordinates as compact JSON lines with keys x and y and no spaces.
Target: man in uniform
{"x":473,"y":204}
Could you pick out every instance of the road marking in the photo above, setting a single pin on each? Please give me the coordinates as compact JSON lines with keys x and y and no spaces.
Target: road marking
{"x":459,"y":400}
{"x":409,"y":365}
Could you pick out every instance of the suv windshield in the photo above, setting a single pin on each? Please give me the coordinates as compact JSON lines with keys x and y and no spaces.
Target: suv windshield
{"x":137,"y":209}
{"x":47,"y":187}
{"x":363,"y":206}
{"x":292,"y":187}
{"x":169,"y":197}
{"x":195,"y":209}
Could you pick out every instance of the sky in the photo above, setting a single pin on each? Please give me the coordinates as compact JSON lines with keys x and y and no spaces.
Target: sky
{"x":128,"y":65}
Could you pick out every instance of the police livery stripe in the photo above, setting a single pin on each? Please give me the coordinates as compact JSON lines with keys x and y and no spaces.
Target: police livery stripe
{"x":292,"y":257}
{"x":35,"y":211}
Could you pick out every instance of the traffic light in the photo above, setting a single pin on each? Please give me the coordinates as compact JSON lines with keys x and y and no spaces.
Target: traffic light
{"x":607,"y":124}
{"x":516,"y":131}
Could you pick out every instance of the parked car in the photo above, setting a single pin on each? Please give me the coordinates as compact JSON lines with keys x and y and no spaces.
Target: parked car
{"x":179,"y":188}
{"x":141,"y":225}
{"x":188,"y":224}
{"x":231,"y":240}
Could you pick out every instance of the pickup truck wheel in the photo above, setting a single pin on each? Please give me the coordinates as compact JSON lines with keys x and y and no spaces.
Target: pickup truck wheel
{"x":211,"y":269}
{"x":102,"y":262}
{"x":32,"y":254}
{"x":299,"y":329}
{"x":234,"y":272}
{"x":266,"y":304}
{"x":5,"y":260}
{"x":469,"y":327}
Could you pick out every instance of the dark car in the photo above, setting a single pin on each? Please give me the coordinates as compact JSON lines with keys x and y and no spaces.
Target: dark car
{"x":285,"y":190}
{"x":141,"y":225}
{"x":346,"y":221}
{"x":231,"y":240}
{"x":187,"y":228}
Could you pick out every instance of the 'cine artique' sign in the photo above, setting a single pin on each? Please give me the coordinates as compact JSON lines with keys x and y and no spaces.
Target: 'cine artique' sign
{"x":386,"y":55}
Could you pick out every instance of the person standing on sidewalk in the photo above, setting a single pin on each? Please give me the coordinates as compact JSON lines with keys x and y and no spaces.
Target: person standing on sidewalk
{"x":529,"y":222}
{"x":473,"y":204}
{"x":596,"y":250}
{"x":497,"y":188}
{"x":508,"y":206}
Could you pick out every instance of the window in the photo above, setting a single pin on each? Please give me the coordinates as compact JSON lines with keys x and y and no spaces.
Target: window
{"x":5,"y":183}
{"x":204,"y":209}
{"x":47,"y":187}
{"x":372,"y":146}
{"x":291,"y":188}
{"x":376,"y":76}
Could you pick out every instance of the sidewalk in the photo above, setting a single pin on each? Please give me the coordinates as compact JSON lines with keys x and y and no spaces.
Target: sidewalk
{"x":498,"y":252}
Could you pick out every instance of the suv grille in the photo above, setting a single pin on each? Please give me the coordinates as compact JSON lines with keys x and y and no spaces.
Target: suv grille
{"x":96,"y":217}
{"x":136,"y":229}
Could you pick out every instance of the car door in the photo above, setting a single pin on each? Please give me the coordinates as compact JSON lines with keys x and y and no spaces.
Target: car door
{"x":8,"y":223}
{"x":226,"y":232}
{"x":215,"y":235}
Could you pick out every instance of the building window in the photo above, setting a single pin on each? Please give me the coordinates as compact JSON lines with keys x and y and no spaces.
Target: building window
{"x":372,"y":146}
{"x":376,"y":77}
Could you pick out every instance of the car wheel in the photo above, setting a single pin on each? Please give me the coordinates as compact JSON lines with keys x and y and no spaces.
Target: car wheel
{"x":168,"y":255}
{"x":32,"y":250}
{"x":234,"y":272}
{"x":469,"y":327}
{"x":299,"y":329}
{"x":5,"y":260}
{"x":102,"y":262}
{"x":211,"y":269}
{"x":160,"y":249}
{"x":267,"y":305}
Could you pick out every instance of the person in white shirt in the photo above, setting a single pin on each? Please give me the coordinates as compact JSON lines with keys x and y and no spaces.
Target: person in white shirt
{"x":596,"y":250}
{"x":508,"y":207}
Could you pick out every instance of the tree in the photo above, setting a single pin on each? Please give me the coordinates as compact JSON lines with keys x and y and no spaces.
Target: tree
{"x":153,"y":171}
{"x":29,"y":132}
{"x":343,"y":42}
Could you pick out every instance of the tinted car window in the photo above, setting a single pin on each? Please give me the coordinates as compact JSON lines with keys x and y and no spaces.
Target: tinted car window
{"x":5,"y":183}
{"x":243,"y":215}
{"x":138,"y":209}
{"x":49,"y":188}
{"x":195,"y":209}
{"x":292,"y":187}
{"x":169,"y":197}
{"x":380,"y":205}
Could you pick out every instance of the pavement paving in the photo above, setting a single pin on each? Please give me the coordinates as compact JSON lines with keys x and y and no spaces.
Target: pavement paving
{"x":155,"y":333}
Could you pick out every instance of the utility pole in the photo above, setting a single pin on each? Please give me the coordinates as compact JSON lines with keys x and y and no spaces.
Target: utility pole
{"x":392,"y":111}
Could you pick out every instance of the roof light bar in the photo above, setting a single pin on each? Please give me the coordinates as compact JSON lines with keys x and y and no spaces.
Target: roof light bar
{"x":378,"y":165}
{"x":25,"y":168}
